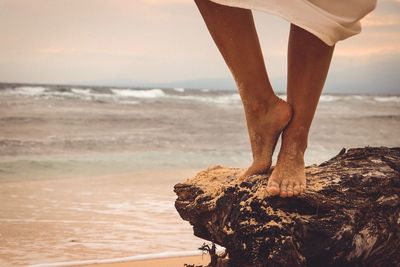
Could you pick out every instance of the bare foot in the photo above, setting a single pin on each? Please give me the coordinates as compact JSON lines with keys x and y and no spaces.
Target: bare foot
{"x":265,"y":126}
{"x":288,"y":177}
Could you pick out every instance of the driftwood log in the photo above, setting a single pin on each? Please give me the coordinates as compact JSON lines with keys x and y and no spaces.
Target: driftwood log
{"x":349,"y":216}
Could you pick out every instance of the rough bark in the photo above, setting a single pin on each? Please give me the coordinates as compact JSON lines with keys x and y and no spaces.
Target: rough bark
{"x":349,"y":216}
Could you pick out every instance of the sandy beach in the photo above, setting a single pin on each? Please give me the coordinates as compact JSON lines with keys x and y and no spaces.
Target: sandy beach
{"x":164,"y":262}
{"x":92,"y":218}
{"x":168,"y":262}
{"x":153,"y":260}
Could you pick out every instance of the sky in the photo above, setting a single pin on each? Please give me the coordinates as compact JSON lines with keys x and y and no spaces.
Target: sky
{"x":165,"y":43}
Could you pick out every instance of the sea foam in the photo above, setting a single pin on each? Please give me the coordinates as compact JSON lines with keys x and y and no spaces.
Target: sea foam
{"x":30,"y":90}
{"x":79,"y":91}
{"x":180,"y":90}
{"x":387,"y":99}
{"x":217,"y":99}
{"x":152,"y":93}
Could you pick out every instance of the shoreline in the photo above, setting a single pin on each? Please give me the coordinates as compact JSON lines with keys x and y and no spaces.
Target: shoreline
{"x":165,"y":259}
{"x":92,"y":218}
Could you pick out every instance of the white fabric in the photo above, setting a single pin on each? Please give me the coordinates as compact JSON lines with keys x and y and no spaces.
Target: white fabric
{"x":329,"y":20}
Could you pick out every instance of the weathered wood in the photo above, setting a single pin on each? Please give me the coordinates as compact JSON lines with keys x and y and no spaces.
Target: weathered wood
{"x":349,"y":216}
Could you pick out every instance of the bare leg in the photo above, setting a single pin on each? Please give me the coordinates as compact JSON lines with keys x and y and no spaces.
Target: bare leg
{"x":235,"y":35}
{"x":308,"y":64}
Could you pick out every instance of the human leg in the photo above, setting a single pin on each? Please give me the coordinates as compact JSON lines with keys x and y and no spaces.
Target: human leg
{"x":308,"y":63}
{"x":235,"y":35}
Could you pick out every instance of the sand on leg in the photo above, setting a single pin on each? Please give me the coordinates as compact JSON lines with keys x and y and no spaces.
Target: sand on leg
{"x":235,"y":35}
{"x":308,"y":63}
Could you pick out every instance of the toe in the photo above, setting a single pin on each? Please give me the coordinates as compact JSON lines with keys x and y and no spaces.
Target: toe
{"x":284,"y":185}
{"x":296,"y":189}
{"x":273,"y":188}
{"x":283,"y":191}
{"x":290,"y":189}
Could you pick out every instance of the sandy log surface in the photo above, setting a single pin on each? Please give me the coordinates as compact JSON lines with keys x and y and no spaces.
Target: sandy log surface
{"x":349,"y":215}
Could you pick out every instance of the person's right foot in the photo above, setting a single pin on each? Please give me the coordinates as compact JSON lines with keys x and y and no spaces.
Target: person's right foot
{"x":264,"y":130}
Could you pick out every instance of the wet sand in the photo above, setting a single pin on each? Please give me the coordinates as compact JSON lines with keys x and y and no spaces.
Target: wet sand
{"x":86,"y":218}
{"x":167,"y":262}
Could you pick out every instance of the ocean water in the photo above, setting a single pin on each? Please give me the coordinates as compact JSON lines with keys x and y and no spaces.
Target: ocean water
{"x":89,"y":171}
{"x":173,"y":127}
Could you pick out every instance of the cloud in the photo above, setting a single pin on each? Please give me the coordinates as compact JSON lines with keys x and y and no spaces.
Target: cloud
{"x":86,"y":51}
{"x":385,"y":21}
{"x":156,"y":40}
{"x":367,"y":52}
{"x":166,"y":2}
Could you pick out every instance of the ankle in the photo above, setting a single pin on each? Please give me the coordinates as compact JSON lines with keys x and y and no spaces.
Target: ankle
{"x":295,"y":137}
{"x":256,"y":108}
{"x":293,"y":147}
{"x":260,"y":99}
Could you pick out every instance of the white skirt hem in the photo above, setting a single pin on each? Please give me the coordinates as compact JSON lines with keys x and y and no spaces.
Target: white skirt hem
{"x":330,"y":28}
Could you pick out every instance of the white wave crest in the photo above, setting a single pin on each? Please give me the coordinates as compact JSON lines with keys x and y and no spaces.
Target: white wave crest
{"x":129,"y":102}
{"x":222,"y":99}
{"x":152,"y":93}
{"x":387,"y":99}
{"x":180,"y":90}
{"x":329,"y":98}
{"x":84,"y":92}
{"x":30,"y":90}
{"x":358,"y":97}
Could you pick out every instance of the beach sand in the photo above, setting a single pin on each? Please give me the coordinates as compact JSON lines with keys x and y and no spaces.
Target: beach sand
{"x":46,"y":221}
{"x":167,"y":262}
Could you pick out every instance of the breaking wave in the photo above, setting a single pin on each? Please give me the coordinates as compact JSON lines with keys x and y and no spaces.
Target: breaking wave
{"x":134,"y":95}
